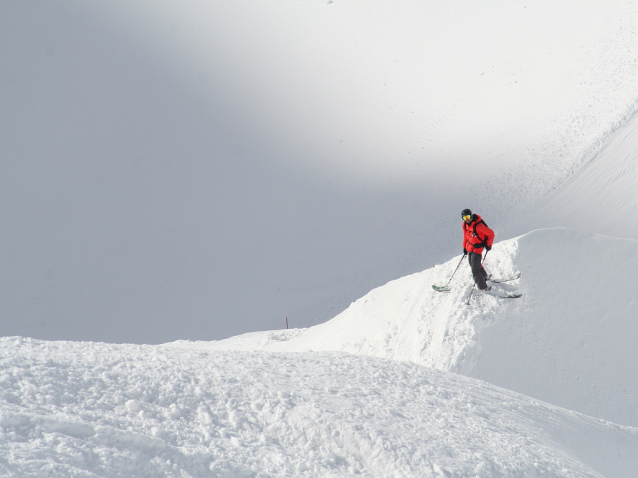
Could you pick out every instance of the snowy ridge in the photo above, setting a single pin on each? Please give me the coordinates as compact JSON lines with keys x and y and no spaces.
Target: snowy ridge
{"x":568,"y":341}
{"x":406,"y":320}
{"x":87,"y":409}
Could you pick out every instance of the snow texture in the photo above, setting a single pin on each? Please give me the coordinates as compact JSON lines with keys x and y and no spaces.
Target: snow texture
{"x":90,"y":409}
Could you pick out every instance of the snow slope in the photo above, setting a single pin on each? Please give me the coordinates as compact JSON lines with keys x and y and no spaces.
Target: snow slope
{"x":570,"y":340}
{"x":601,"y":198}
{"x":91,"y":409}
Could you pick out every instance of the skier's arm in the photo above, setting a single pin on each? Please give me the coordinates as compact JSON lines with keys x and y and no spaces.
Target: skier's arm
{"x":488,"y":234}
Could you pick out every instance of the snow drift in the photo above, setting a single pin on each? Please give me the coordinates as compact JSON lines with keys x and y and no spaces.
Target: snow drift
{"x":87,"y":409}
{"x":570,"y":340}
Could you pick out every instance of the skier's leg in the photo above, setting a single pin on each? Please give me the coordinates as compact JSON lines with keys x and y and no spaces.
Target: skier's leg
{"x":484,"y":273}
{"x":478,"y":272}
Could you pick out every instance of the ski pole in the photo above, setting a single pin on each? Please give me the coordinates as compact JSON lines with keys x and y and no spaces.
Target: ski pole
{"x":457,"y":268}
{"x":470,"y":297}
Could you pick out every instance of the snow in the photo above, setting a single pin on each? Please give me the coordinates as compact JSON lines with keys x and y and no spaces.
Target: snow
{"x":568,"y":341}
{"x":91,"y":409}
{"x":601,"y":197}
{"x":313,"y":155}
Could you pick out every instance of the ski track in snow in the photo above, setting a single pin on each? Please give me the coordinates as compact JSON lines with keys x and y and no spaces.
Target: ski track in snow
{"x":92,"y":409}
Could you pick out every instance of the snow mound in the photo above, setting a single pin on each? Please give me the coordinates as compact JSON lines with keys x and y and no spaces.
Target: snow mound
{"x":569,"y":341}
{"x":86,"y":409}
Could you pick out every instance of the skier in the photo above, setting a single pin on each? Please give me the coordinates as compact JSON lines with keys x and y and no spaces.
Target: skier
{"x":476,"y":236}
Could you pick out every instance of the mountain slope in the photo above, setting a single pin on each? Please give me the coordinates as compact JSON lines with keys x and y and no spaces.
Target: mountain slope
{"x":602,"y":197}
{"x":570,"y":340}
{"x":163,"y":158}
{"x":87,"y":409}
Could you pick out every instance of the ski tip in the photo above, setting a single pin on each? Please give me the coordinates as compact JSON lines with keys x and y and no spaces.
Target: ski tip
{"x":440,"y":288}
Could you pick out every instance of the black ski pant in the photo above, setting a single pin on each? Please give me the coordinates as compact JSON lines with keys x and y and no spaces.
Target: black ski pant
{"x":479,"y":274}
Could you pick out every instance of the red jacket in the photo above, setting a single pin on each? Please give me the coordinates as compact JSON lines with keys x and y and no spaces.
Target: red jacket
{"x":476,"y":235}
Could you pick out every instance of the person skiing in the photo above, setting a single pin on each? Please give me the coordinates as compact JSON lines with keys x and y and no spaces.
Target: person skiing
{"x":476,"y":236}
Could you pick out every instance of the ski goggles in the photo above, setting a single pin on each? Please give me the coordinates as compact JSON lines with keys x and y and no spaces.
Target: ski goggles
{"x":466,"y":217}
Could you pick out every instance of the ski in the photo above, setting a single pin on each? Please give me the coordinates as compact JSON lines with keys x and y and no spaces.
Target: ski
{"x":509,"y":279}
{"x":445,"y":289}
{"x":508,"y":296}
{"x":500,"y":294}
{"x":441,"y":288}
{"x":495,"y":294}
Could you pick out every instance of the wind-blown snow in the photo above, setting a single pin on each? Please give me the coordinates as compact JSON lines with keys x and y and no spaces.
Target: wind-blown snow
{"x":89,"y":409}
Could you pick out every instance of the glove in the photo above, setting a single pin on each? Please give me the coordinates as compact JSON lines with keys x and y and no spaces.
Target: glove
{"x":488,"y":248}
{"x":464,"y":252}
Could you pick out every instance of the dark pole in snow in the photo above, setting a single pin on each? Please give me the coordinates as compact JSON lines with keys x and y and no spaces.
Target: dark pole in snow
{"x":457,"y":268}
